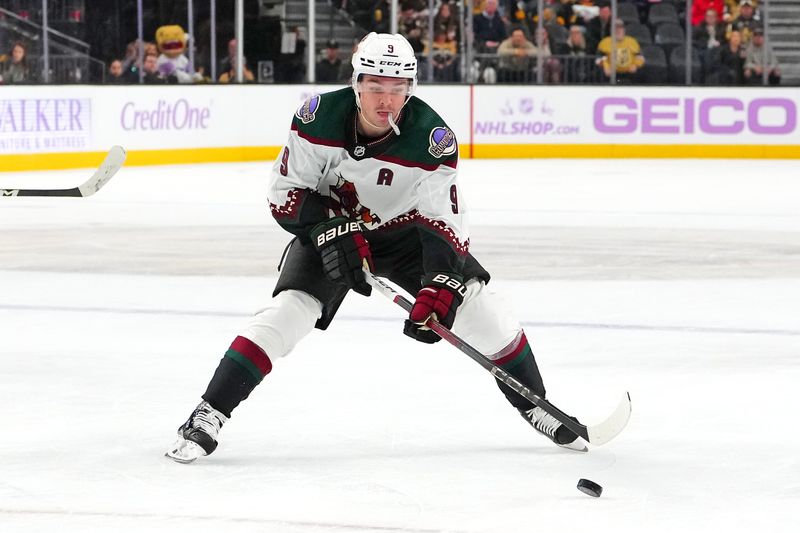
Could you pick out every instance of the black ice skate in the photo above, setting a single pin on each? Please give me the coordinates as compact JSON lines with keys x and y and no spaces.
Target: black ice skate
{"x":198,"y":435}
{"x":554,"y":430}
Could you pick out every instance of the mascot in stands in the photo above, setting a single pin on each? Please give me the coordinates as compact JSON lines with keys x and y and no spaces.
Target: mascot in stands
{"x":173,"y":65}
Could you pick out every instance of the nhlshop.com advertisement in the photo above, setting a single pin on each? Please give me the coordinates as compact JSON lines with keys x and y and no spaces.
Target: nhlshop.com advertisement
{"x":634,"y":122}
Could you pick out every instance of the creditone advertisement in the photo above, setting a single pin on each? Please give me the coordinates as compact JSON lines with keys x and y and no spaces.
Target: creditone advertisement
{"x":47,"y":127}
{"x":50,"y":127}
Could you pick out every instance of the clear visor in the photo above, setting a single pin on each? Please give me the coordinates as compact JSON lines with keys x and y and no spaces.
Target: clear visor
{"x":388,"y":86}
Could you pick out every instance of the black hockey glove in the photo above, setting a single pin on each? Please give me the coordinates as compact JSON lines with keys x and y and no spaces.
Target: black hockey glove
{"x":439,"y":297}
{"x":343,"y":250}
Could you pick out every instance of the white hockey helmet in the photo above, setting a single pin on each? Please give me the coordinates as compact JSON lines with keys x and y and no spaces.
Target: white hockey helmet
{"x":384,"y":54}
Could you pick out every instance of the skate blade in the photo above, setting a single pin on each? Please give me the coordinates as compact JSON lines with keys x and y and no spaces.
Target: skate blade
{"x":184,"y":451}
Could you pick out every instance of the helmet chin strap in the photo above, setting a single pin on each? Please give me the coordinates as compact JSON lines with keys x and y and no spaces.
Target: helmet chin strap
{"x":393,"y":124}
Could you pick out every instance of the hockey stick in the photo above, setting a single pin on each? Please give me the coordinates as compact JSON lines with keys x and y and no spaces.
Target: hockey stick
{"x":597,"y":435}
{"x":110,"y":165}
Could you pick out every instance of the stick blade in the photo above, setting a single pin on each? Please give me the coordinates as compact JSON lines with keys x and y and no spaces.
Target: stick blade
{"x":110,"y":165}
{"x":613,"y":425}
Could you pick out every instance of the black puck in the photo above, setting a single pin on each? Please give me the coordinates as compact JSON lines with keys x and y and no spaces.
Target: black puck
{"x":590,"y":487}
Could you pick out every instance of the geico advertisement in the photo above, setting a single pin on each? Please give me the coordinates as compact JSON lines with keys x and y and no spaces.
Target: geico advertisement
{"x":635,"y":115}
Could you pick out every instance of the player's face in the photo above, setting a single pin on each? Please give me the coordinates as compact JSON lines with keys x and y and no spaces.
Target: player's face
{"x":380,"y":96}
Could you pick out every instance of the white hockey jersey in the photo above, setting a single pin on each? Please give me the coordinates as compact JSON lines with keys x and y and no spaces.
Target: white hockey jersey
{"x":327,"y":169}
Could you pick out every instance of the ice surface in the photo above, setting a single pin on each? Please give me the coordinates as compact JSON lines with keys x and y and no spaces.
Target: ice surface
{"x":678,"y":281}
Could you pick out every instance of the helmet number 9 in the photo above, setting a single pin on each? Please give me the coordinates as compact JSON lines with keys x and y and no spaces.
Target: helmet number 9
{"x":391,"y":48}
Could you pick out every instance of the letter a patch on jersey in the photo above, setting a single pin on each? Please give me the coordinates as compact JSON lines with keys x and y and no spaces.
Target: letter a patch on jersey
{"x":308,"y":111}
{"x":442,"y":142}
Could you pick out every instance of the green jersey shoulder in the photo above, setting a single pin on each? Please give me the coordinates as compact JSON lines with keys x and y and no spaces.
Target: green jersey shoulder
{"x":424,"y":140}
{"x":424,"y":137}
{"x":323,"y":116}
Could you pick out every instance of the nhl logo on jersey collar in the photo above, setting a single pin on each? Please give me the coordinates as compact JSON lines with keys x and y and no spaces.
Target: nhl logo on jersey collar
{"x":359,"y":151}
{"x":442,"y":142}
{"x":308,"y":111}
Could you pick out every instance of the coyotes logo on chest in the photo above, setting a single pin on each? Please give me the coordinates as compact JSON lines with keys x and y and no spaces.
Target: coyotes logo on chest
{"x":344,"y":201}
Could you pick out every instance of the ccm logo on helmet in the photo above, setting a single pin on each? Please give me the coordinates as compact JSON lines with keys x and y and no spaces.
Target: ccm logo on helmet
{"x":454,"y":284}
{"x":390,"y":63}
{"x":344,"y":229}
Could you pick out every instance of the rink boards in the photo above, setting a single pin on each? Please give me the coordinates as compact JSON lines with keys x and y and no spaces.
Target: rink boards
{"x":52,"y":127}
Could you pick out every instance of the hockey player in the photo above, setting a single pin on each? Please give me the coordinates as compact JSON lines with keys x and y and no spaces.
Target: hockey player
{"x":368,"y":179}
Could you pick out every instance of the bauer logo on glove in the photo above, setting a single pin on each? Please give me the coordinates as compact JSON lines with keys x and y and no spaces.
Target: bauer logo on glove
{"x":438,"y":299}
{"x":344,"y":252}
{"x":453,"y":283}
{"x":338,"y":231}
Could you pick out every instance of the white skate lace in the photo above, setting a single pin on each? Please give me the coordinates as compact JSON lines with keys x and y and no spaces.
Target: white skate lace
{"x":543,"y":421}
{"x":209,"y":420}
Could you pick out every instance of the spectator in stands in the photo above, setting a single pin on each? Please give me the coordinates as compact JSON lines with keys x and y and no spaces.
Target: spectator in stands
{"x":732,"y":9}
{"x":150,"y":68}
{"x":130,"y":63}
{"x":413,"y":27}
{"x":746,"y":22}
{"x":577,"y":65}
{"x":115,"y":75}
{"x":489,"y":29}
{"x":759,"y":57}
{"x":700,"y":10}
{"x":292,"y":67}
{"x":150,"y":49}
{"x":585,"y":11}
{"x":443,"y":57}
{"x":710,"y":33}
{"x":15,"y":69}
{"x":629,"y":56}
{"x":515,"y":12}
{"x":516,"y":55}
{"x":565,"y":13}
{"x":599,"y":27}
{"x":546,"y":49}
{"x":327,"y":70}
{"x":229,"y":75}
{"x":549,"y":16}
{"x":446,"y":22}
{"x":230,"y":59}
{"x":381,"y":16}
{"x":131,"y":56}
{"x":576,"y":42}
{"x":731,"y":60}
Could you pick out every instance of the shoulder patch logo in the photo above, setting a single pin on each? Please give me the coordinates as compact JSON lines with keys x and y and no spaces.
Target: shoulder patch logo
{"x":442,"y":142}
{"x":308,"y":111}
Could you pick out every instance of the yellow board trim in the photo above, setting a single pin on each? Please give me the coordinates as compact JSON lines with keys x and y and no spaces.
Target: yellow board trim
{"x":632,"y":151}
{"x":175,"y":156}
{"x":202,"y":155}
